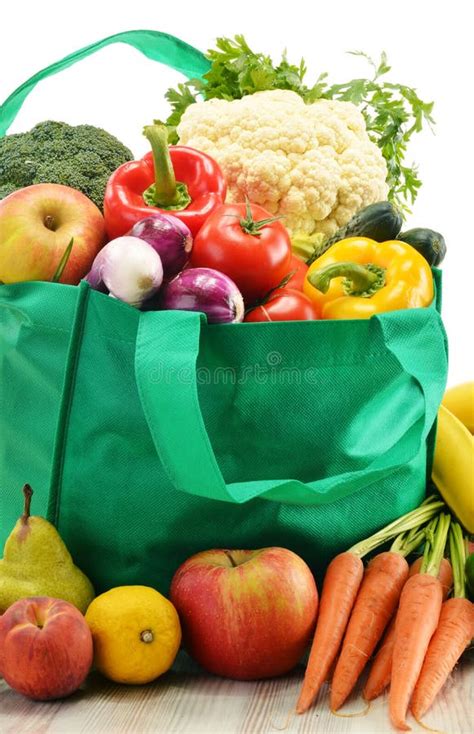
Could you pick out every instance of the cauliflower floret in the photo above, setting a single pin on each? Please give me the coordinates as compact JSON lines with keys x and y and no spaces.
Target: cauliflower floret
{"x":314,"y":164}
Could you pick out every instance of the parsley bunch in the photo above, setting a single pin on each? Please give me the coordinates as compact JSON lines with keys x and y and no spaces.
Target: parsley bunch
{"x":392,"y":112}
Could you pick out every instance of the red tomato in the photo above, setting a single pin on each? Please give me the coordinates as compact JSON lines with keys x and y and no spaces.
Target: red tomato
{"x":285,"y":304}
{"x":258,"y":262}
{"x":300,"y":269}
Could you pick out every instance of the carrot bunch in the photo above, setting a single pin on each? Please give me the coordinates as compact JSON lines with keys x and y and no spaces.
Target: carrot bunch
{"x":381,"y":671}
{"x":357,"y":605}
{"x":425,"y":632}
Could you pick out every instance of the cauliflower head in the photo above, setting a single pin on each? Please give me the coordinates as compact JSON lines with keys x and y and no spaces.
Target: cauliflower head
{"x":312,"y":163}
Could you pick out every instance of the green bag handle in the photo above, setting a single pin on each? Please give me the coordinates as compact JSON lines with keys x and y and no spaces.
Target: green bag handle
{"x":162,"y":47}
{"x":166,"y":356}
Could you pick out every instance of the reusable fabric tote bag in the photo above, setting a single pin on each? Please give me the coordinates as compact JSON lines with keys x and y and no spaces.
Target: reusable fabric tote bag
{"x":149,"y":436}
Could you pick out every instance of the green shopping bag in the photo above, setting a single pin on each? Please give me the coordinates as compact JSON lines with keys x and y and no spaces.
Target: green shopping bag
{"x":149,"y":436}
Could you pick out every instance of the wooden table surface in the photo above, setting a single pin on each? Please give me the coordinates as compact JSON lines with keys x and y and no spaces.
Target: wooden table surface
{"x":187,"y":701}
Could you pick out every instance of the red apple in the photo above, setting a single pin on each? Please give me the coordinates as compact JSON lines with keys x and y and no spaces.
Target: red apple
{"x":36,"y":225}
{"x":246,"y":614}
{"x":45,"y":648}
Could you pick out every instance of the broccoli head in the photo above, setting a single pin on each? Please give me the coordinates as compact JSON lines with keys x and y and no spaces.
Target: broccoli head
{"x":82,"y":157}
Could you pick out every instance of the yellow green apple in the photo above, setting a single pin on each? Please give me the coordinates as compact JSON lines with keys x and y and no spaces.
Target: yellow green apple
{"x":36,"y":226}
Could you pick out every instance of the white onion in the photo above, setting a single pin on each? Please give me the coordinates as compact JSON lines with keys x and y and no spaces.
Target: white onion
{"x":129,"y":269}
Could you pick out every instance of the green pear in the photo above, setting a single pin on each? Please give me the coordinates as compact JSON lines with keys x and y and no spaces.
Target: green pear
{"x":36,"y":562}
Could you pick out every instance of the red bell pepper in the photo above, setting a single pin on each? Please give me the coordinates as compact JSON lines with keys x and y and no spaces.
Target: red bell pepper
{"x":138,"y":188}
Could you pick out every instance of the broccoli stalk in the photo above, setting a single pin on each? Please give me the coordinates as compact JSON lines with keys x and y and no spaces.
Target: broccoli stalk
{"x":82,"y":157}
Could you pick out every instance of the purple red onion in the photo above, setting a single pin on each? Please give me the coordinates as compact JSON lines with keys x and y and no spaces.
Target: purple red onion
{"x":171,"y":239}
{"x":206,"y":290}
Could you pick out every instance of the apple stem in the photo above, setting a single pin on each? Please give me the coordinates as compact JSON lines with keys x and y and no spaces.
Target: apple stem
{"x":49,"y":222}
{"x":229,"y":556}
{"x":147,"y":636}
{"x":28,"y":494}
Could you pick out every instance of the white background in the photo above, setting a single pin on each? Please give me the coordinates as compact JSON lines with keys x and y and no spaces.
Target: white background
{"x":429,"y":45}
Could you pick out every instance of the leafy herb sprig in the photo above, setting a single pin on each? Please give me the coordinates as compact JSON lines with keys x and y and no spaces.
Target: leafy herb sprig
{"x":393,"y":112}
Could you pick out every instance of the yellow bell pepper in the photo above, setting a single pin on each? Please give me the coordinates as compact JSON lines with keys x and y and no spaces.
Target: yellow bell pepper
{"x":359,"y":277}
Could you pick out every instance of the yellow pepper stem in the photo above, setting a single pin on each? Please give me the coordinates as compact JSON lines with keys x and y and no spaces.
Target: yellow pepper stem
{"x":360,"y":280}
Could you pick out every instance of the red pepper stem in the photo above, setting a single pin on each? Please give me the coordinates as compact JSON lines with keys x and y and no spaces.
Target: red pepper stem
{"x":166,"y":192}
{"x":360,"y":280}
{"x":165,"y":181}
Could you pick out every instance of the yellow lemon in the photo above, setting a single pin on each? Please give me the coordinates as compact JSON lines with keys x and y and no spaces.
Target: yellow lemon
{"x":136,"y":633}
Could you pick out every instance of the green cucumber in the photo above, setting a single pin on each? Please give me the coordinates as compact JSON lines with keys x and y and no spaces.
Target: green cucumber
{"x":381,"y":222}
{"x":428,"y":243}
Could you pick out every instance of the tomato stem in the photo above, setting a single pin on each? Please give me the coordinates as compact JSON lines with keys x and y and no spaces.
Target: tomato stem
{"x":248,"y":223}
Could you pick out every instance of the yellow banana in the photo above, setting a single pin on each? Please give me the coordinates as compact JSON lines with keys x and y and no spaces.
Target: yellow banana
{"x":460,"y":401}
{"x":453,"y":466}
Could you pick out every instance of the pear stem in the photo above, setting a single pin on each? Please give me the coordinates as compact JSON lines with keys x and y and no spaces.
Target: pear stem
{"x":28,"y":494}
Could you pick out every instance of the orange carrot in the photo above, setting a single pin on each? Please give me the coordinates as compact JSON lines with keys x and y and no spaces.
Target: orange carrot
{"x":341,"y":584}
{"x":376,"y":602}
{"x":454,"y":633}
{"x":445,"y":574}
{"x":416,"y":622}
{"x":381,"y":670}
{"x":416,"y":566}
